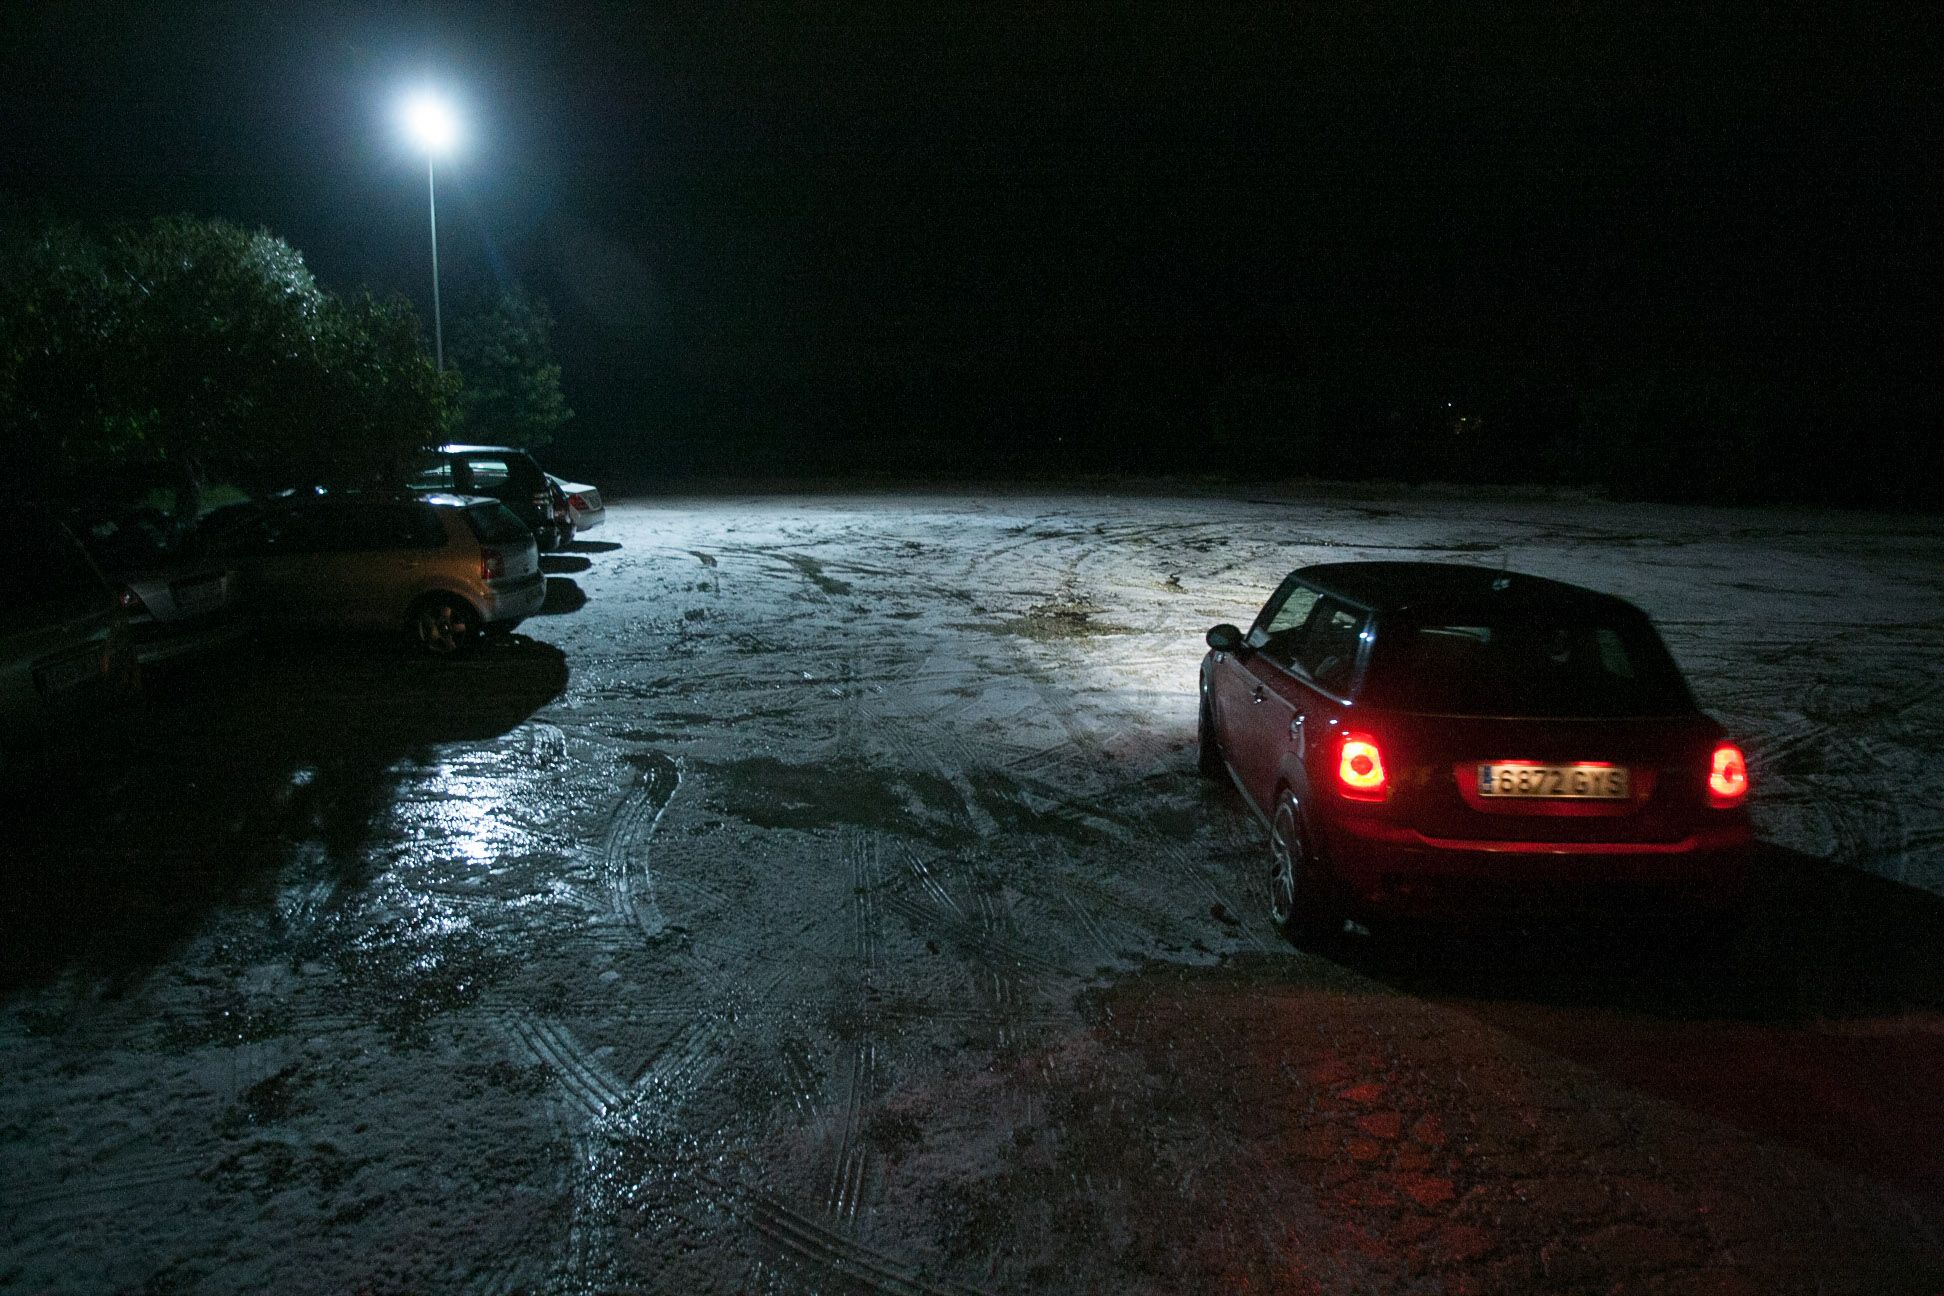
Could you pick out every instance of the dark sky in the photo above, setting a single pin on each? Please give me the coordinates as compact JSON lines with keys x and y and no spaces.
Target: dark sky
{"x":801,"y":215}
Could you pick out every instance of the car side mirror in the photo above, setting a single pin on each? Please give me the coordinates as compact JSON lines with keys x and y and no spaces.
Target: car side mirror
{"x":1224,"y":638}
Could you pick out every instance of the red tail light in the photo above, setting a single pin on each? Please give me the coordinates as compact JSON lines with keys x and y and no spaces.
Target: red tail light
{"x":1727,"y":776}
{"x":131,"y":602}
{"x":1360,"y":769}
{"x":492,"y":564}
{"x":577,"y":502}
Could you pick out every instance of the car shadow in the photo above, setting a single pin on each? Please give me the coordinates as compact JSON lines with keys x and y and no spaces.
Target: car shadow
{"x":123,"y":841}
{"x":563,"y":563}
{"x":593,"y":546}
{"x":1819,"y":1022}
{"x":563,"y":595}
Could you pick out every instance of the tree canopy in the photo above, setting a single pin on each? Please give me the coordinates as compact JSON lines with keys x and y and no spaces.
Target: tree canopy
{"x":200,"y":346}
{"x":509,"y":391}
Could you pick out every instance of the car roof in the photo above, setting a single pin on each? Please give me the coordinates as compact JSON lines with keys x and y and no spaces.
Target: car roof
{"x":479,"y":449}
{"x":446,"y":499}
{"x":1396,"y":586}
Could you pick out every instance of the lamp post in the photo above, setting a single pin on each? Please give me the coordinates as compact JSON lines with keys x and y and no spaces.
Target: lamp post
{"x":430,"y":121}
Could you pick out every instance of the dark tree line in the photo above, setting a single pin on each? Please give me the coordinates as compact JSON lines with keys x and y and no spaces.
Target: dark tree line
{"x":195,"y":349}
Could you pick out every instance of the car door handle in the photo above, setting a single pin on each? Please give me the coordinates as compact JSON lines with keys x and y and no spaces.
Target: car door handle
{"x":1257,"y":695}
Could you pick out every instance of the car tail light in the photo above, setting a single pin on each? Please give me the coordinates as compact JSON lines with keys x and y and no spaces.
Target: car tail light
{"x":577,"y":502}
{"x":492,"y":564}
{"x":1360,"y":769}
{"x":1727,"y":776}
{"x":131,"y":602}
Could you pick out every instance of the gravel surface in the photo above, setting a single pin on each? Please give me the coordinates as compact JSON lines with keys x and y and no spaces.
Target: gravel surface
{"x":819,"y":897}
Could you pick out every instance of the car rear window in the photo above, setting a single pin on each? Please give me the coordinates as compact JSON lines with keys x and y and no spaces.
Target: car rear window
{"x":46,"y":567}
{"x":1574,"y":663}
{"x":496,"y":524}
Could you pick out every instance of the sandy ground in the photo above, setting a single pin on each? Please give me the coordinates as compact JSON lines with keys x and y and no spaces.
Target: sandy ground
{"x":820,"y":898}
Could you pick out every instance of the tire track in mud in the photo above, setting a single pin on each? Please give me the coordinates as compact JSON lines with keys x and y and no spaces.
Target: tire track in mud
{"x":1090,"y":926}
{"x":824,"y":1251}
{"x":800,"y":1083}
{"x":866,"y":918}
{"x":1000,"y":981}
{"x":612,"y":1119}
{"x":972,"y":936}
{"x":588,"y":1085}
{"x":640,"y":813}
{"x":93,"y":1194}
{"x":1868,"y":827}
{"x":852,"y":1160}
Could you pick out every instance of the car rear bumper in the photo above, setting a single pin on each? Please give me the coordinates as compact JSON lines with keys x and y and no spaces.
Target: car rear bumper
{"x":160,"y":642}
{"x":514,"y":599}
{"x":590,"y":519}
{"x":1392,"y":869}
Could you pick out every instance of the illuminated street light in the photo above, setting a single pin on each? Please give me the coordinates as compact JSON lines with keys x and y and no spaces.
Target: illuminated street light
{"x":431,"y":123}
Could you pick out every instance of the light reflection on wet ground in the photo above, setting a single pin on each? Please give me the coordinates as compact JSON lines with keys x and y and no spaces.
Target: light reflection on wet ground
{"x":823,"y":900}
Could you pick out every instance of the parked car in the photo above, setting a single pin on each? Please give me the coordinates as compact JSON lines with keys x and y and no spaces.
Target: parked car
{"x":178,"y":602}
{"x":563,"y":514}
{"x":497,"y":472}
{"x":442,"y":568}
{"x":64,"y":644}
{"x":584,"y":501}
{"x":1436,"y":739}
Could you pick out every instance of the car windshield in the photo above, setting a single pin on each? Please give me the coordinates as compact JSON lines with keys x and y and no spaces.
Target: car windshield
{"x":1524,"y":662}
{"x":496,"y":524}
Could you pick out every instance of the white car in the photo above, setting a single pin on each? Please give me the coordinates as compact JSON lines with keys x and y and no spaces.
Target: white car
{"x":585,"y":502}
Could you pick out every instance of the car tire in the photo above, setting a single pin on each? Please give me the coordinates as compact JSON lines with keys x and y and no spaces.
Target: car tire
{"x":1208,"y":753}
{"x":1301,"y":903}
{"x":445,"y":625}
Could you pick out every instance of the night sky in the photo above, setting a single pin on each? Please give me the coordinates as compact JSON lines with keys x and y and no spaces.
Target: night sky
{"x":1042,"y":230}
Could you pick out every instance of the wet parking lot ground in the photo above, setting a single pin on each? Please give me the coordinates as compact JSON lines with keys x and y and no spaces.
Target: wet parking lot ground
{"x":819,"y":897}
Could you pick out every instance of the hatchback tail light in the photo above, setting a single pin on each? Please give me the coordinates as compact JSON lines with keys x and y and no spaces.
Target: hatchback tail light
{"x":1727,"y":776}
{"x":577,"y":502}
{"x":492,"y":564}
{"x":1360,"y":769}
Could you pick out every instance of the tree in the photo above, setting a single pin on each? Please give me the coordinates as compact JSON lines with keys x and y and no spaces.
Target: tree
{"x":509,"y":391}
{"x":200,"y":346}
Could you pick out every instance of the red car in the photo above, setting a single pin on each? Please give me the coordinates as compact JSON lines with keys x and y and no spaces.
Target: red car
{"x":1430,"y":739}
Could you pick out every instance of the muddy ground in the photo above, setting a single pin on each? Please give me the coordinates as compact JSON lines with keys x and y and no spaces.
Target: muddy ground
{"x":820,"y":898}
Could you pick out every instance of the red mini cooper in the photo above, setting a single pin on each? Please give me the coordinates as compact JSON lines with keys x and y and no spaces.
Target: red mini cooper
{"x":1431,"y":738}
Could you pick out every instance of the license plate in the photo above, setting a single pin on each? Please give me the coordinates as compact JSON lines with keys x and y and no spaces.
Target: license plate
{"x":1576,"y":782}
{"x":67,"y":673}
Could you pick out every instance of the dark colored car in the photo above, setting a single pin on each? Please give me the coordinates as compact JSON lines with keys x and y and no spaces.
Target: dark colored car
{"x":179,"y":602}
{"x":442,"y":568}
{"x":1435,"y":739}
{"x":501,"y":473}
{"x":64,"y":644}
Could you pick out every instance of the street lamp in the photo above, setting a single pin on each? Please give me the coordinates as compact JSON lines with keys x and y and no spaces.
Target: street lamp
{"x":430,"y":121}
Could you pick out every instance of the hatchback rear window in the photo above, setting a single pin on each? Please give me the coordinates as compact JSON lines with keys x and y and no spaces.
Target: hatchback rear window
{"x":46,"y":567}
{"x":496,"y":524}
{"x":1526,"y":663}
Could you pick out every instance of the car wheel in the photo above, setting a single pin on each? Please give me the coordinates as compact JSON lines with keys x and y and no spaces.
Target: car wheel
{"x":1208,"y":755}
{"x":445,"y":625}
{"x":1300,"y":903}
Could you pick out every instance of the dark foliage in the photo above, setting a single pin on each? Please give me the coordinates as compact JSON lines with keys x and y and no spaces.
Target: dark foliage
{"x":509,"y":390}
{"x":197,"y":347}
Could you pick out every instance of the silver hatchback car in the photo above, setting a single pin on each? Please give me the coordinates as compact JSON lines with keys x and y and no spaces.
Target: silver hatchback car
{"x":445,"y":568}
